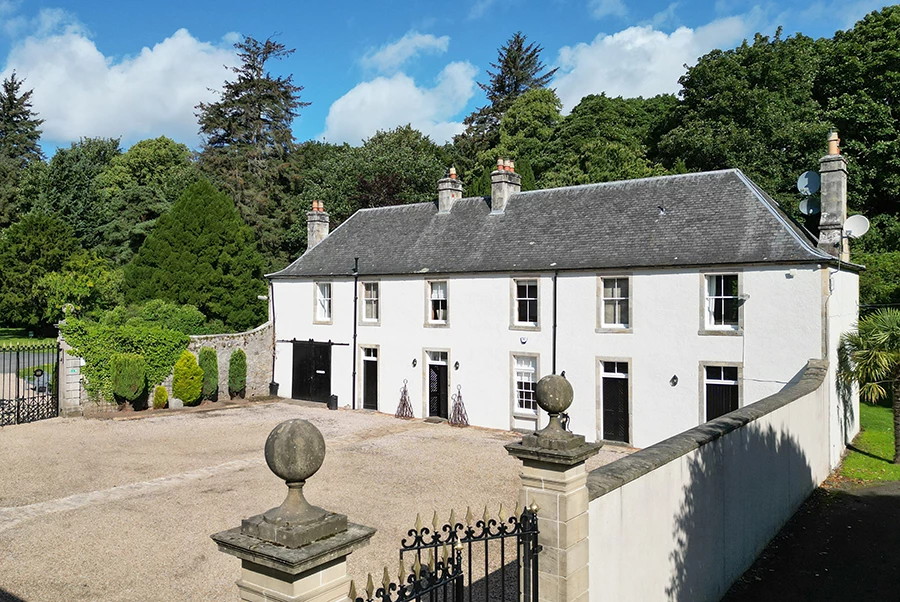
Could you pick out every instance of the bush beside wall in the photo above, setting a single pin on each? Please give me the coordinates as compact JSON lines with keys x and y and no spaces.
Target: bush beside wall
{"x":160,"y":397}
{"x":129,"y":378}
{"x":209,"y":363}
{"x":187,"y":382}
{"x":237,"y":374}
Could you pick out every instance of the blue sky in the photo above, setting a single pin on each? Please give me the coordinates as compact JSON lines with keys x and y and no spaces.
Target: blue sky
{"x":136,"y":69}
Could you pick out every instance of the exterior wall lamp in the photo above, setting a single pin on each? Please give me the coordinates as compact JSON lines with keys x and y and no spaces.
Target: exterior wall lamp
{"x":456,"y":366}
{"x":414,"y":362}
{"x":674,"y":380}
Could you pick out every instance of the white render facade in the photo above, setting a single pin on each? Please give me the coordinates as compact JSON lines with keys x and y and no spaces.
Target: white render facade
{"x":786,"y":316}
{"x":666,"y":302}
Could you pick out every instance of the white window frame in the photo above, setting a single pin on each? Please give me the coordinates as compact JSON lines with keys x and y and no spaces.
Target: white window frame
{"x":320,"y":315}
{"x":515,"y":322}
{"x":704,"y":380}
{"x":525,"y":401}
{"x":430,"y":299}
{"x":602,"y":300}
{"x":708,"y":323}
{"x":371,"y":302}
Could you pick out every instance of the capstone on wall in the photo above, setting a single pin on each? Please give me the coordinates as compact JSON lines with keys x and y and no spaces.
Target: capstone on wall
{"x":257,"y":344}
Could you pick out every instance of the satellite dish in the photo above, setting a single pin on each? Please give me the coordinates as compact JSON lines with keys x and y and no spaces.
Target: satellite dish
{"x":808,"y":183}
{"x":856,"y":226}
{"x":810,"y":206}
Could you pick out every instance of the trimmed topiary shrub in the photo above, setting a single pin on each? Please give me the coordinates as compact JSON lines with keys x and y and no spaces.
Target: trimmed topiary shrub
{"x":187,"y":382}
{"x":237,"y":374}
{"x":129,"y":378}
{"x":209,"y":363}
{"x":160,"y":397}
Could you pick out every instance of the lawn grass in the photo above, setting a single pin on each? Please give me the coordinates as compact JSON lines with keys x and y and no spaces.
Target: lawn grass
{"x":869,"y":457}
{"x":17,"y":336}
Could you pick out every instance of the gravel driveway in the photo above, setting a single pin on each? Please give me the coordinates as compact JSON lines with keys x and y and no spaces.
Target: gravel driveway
{"x":123,"y":510}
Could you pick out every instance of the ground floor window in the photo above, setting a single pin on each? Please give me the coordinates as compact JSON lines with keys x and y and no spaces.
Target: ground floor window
{"x":526,"y":381}
{"x":722,"y":390}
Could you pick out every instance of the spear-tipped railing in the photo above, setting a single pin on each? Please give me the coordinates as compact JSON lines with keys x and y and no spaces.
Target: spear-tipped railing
{"x":440,"y":579}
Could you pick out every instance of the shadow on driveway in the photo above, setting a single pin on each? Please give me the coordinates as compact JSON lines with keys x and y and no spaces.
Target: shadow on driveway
{"x":842,"y":544}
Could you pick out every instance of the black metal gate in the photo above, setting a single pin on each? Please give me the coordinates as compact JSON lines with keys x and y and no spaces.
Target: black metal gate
{"x":29,"y":383}
{"x":499,"y":556}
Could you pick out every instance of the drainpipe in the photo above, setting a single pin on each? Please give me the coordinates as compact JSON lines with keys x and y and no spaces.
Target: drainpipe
{"x":555,"y":276}
{"x":355,"y":316}
{"x":272,"y":383}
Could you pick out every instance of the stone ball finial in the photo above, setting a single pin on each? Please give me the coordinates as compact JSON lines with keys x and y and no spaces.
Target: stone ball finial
{"x":554,"y":394}
{"x":295,"y":450}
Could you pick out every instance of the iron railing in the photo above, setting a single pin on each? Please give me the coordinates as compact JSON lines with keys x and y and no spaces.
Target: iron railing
{"x":29,"y":383}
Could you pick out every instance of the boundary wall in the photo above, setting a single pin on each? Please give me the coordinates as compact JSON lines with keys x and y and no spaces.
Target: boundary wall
{"x":683,"y":519}
{"x":256,"y":343}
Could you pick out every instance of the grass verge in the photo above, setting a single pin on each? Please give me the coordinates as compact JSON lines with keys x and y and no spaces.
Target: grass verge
{"x":18,"y":336}
{"x":869,"y":456}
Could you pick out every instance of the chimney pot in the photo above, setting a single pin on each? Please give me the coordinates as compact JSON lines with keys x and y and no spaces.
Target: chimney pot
{"x":452,"y":173}
{"x":504,"y":183}
{"x":834,"y":143}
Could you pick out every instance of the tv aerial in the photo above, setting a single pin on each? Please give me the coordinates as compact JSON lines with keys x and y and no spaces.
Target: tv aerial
{"x":856,"y":226}
{"x":808,"y":184}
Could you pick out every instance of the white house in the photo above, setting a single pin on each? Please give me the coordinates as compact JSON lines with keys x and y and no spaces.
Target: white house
{"x":665,"y":301}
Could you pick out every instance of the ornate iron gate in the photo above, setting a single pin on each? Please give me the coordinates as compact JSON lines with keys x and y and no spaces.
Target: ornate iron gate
{"x":29,"y":384}
{"x":513,"y":541}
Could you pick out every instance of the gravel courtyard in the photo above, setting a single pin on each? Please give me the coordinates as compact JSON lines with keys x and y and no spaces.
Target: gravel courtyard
{"x":123,"y":509}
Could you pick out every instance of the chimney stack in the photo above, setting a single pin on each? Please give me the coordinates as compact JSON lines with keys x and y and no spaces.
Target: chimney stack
{"x":833,"y":173}
{"x":316,"y":225}
{"x":505,"y":182}
{"x":449,"y":189}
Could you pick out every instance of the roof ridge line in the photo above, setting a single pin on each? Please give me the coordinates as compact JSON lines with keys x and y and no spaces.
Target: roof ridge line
{"x":673,"y":176}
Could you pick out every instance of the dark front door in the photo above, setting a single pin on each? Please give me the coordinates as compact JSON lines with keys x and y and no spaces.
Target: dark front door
{"x":615,"y":401}
{"x":437,"y":391}
{"x":370,"y":379}
{"x":312,"y":371}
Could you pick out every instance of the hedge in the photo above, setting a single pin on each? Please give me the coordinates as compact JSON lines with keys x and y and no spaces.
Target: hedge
{"x":209,"y":363}
{"x":237,"y":373}
{"x":187,"y":383}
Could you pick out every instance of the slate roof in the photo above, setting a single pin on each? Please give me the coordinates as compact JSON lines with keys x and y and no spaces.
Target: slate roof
{"x":708,"y":218}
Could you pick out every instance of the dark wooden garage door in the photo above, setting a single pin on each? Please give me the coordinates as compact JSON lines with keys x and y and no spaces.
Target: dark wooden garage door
{"x":312,"y":371}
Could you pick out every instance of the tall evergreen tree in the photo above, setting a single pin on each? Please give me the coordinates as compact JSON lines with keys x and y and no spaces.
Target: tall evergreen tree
{"x":19,"y":135}
{"x":248,"y":139}
{"x":19,"y":126}
{"x":519,"y":68}
{"x":201,"y":253}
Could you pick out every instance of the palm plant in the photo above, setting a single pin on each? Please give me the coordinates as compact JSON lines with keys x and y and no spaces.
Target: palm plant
{"x":870,"y":357}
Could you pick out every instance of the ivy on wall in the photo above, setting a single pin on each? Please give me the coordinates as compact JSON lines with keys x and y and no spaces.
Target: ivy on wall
{"x":97,"y":343}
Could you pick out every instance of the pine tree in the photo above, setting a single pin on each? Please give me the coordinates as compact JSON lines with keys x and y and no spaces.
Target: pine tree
{"x":201,"y":254}
{"x":519,"y":68}
{"x":19,"y":125}
{"x":248,"y":137}
{"x":19,"y":148}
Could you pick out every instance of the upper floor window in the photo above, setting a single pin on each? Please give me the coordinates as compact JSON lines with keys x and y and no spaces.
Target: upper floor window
{"x":437,"y":301}
{"x":323,"y":302}
{"x":526,"y":302}
{"x":370,"y":302}
{"x":614,"y":312}
{"x":526,"y":382}
{"x":722,"y":302}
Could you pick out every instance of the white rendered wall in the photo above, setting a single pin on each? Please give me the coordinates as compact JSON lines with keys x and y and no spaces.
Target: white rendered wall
{"x":843,"y":312}
{"x":782,"y":329}
{"x":689,"y":528}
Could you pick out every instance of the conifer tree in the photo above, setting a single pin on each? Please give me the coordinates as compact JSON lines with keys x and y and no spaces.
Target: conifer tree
{"x":201,"y":253}
{"x":248,"y":137}
{"x":19,"y":135}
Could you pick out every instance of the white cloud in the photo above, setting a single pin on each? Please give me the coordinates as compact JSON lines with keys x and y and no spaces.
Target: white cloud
{"x":387,"y":102}
{"x":664,"y":17}
{"x":640,"y":61}
{"x":391,"y":57}
{"x":480,"y":8}
{"x":80,"y":92}
{"x":607,"y":8}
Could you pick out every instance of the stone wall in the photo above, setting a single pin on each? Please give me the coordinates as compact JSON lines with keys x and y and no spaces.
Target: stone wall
{"x":256,"y":343}
{"x":683,"y":519}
